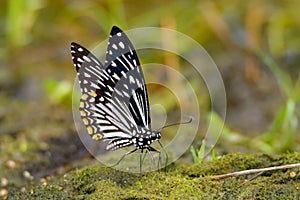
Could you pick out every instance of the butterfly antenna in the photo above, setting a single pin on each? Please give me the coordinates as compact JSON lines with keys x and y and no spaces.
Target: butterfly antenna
{"x":178,"y":123}
{"x":166,"y":154}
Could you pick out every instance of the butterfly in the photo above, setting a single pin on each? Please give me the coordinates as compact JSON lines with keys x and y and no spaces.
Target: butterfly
{"x":114,"y":104}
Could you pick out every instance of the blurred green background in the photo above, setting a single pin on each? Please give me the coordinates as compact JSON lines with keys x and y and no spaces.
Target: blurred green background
{"x":255,"y":45}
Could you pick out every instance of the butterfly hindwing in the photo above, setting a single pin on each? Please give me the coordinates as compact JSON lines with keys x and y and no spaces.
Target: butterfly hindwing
{"x":95,"y":104}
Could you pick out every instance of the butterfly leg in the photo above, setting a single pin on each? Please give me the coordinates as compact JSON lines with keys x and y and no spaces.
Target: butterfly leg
{"x":165,"y":152}
{"x":152,"y":158}
{"x":144,"y":157}
{"x":159,"y":156}
{"x":126,"y":154}
{"x":141,"y":160}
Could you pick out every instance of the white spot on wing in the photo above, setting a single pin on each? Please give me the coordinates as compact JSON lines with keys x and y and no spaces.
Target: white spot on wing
{"x":113,"y":64}
{"x":80,"y":60}
{"x":115,"y":46}
{"x":110,"y":88}
{"x":134,"y":62}
{"x":86,"y":58}
{"x":121,"y":44}
{"x":116,"y":76}
{"x":94,"y":85}
{"x":124,"y":74}
{"x":131,"y":79}
{"x":125,"y":94}
{"x":87,"y":75}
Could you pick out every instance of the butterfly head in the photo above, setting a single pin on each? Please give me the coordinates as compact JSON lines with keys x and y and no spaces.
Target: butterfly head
{"x":155,"y":135}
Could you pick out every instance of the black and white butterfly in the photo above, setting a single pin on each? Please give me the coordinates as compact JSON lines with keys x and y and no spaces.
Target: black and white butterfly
{"x":114,"y":104}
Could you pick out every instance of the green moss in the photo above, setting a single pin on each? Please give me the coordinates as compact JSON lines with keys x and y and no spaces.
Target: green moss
{"x":184,"y":182}
{"x":227,"y":164}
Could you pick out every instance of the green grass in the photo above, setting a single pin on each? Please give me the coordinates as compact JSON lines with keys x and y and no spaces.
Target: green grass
{"x":281,"y":136}
{"x":282,"y":133}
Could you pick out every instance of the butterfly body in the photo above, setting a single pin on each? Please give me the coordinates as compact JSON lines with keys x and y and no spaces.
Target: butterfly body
{"x":139,"y":142}
{"x":114,"y":104}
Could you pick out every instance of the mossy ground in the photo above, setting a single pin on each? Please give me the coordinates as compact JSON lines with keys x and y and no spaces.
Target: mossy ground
{"x":42,"y":157}
{"x":179,"y":182}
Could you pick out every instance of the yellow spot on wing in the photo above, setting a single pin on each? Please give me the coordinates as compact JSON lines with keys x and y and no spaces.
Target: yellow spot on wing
{"x":93,"y":94}
{"x":85,"y":121}
{"x":90,"y":130}
{"x":84,"y":96}
{"x":81,"y":104}
{"x":97,"y":137}
{"x":82,"y":113}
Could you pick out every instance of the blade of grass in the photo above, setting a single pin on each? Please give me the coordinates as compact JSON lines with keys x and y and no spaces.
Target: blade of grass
{"x":213,"y":153}
{"x":296,"y":94}
{"x":201,"y":151}
{"x":283,"y":79}
{"x":194,"y":154}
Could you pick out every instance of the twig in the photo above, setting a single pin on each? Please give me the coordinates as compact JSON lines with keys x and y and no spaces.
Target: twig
{"x":248,"y":180}
{"x":251,"y":171}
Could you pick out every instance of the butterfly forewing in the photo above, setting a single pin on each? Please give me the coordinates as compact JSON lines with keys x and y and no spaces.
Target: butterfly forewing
{"x":122,"y":63}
